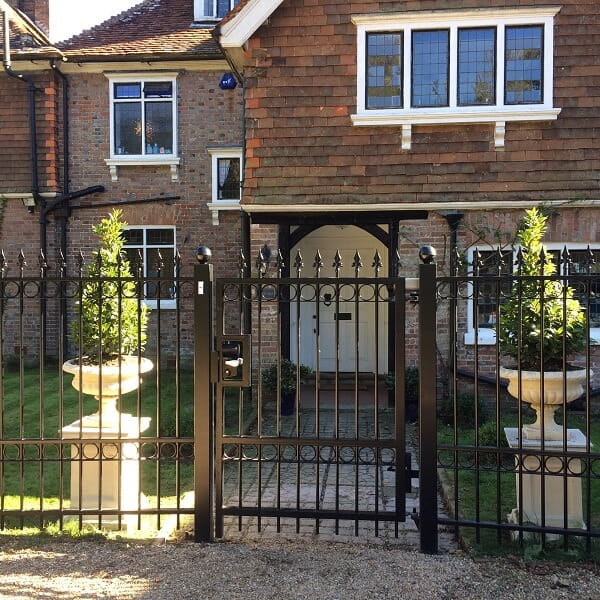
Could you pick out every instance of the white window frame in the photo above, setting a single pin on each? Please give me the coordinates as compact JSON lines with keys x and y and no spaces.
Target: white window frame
{"x":199,"y":10}
{"x":486,"y":336}
{"x":454,"y":20}
{"x":117,"y":160}
{"x":217,"y":204}
{"x":168,"y":303}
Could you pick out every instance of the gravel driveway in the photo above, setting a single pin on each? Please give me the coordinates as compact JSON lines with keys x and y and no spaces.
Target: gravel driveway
{"x":67,"y":569}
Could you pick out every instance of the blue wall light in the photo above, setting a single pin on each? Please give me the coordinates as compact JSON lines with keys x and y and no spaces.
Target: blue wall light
{"x":227,"y":82}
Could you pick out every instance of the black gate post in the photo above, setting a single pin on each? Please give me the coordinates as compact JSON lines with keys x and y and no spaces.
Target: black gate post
{"x":427,"y":403}
{"x":203,"y":413}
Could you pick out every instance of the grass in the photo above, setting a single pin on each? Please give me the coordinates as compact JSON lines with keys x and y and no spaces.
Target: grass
{"x":477,"y":489}
{"x":35,"y":404}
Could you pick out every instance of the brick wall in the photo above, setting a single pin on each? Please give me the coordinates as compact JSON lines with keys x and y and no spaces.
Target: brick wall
{"x":302,"y":147}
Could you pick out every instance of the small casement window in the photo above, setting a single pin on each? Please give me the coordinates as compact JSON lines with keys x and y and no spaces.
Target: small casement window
{"x":455,"y":66}
{"x":155,"y":247}
{"x":143,"y":118}
{"x":228,"y":178}
{"x":212,"y":9}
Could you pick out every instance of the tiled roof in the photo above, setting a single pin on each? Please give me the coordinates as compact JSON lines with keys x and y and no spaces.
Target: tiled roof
{"x":154,"y":28}
{"x":26,"y":38}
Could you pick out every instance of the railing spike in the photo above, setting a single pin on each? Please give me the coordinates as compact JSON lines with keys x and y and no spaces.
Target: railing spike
{"x":262,"y":262}
{"x":280,"y":263}
{"x":298,"y":263}
{"x":337,"y":262}
{"x":377,"y":263}
{"x":318,"y":263}
{"x":21,"y":262}
{"x":397,"y":263}
{"x":357,"y":263}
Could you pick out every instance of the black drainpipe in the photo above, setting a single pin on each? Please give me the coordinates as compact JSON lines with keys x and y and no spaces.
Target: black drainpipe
{"x":31,"y":89}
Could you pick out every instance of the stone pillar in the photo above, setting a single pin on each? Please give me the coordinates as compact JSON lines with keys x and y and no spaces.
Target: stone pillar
{"x":105,"y":474}
{"x":530,"y":477}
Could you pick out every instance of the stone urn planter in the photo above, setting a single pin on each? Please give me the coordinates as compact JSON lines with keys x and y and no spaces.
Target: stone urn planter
{"x":529,"y":391}
{"x":107,"y":382}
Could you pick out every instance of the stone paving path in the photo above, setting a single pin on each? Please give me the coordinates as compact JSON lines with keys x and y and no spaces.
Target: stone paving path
{"x":365,"y":485}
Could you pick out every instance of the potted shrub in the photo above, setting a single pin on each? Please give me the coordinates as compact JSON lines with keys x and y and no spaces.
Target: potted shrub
{"x":542,"y":321}
{"x":110,"y":324}
{"x":287,"y":380}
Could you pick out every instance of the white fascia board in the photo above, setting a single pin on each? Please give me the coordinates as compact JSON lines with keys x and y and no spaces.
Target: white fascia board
{"x":235,"y":33}
{"x":473,"y":205}
{"x":443,"y":16}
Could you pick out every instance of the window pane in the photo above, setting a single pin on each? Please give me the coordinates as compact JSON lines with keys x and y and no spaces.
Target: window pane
{"x":487,"y":292}
{"x":430,"y":68}
{"x":158,"y":89}
{"x":524,"y":54}
{"x":133,"y":236}
{"x":476,"y":66}
{"x":128,"y":129}
{"x":127,"y":90}
{"x":160,"y":237}
{"x":229,"y":179}
{"x":384,"y":70}
{"x":579,"y":264}
{"x":165,"y":288}
{"x":223,"y":7}
{"x":159,"y":127}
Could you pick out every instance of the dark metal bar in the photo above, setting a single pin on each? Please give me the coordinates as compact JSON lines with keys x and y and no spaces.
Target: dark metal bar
{"x":427,"y":409}
{"x":203,"y":413}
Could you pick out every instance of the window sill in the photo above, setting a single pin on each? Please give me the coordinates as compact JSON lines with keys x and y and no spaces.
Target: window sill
{"x":218,"y":205}
{"x":142,"y":161}
{"x":166,"y":304}
{"x":485,"y":337}
{"x":449,"y":115}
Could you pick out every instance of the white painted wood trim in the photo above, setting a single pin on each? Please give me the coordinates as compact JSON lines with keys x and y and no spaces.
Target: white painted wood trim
{"x":236,"y":32}
{"x":429,"y":206}
{"x":114,"y":163}
{"x":443,"y":16}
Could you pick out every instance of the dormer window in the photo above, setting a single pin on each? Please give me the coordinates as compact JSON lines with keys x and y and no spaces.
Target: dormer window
{"x":212,"y":10}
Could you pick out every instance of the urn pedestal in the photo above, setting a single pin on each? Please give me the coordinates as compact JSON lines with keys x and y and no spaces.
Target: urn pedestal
{"x":105,"y":469}
{"x":535,"y":473}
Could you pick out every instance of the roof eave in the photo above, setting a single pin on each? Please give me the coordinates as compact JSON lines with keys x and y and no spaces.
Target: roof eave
{"x":234,"y":33}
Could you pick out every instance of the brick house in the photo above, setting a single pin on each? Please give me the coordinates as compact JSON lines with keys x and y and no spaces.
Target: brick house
{"x":383,"y":125}
{"x":148,"y":129}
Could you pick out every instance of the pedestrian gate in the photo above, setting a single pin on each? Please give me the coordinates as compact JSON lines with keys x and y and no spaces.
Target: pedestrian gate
{"x":299,"y":443}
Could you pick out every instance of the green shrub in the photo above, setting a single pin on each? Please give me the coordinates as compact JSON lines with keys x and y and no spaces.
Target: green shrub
{"x":411,"y":382}
{"x":110,"y":319}
{"x":542,"y":316}
{"x":287,"y":376}
{"x":465,"y":410}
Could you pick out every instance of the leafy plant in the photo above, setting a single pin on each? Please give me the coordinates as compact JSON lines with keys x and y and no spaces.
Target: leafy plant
{"x":110,"y":319}
{"x":288,"y":376}
{"x":411,"y":382}
{"x":542,"y":313}
{"x":465,"y":409}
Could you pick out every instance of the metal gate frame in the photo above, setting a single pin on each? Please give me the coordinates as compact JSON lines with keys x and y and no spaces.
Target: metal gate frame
{"x":209,"y":439}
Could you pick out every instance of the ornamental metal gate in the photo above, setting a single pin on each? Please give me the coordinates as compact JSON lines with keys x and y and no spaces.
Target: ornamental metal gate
{"x":302,"y":443}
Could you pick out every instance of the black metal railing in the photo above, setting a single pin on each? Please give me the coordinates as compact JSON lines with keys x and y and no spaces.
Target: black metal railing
{"x":507,"y":481}
{"x":66,"y":458}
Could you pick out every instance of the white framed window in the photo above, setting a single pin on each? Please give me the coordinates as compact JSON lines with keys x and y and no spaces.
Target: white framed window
{"x":143,"y":121}
{"x":460,"y":66}
{"x":226,"y":171}
{"x":156,"y":245}
{"x":485,"y":298}
{"x":212,"y":10}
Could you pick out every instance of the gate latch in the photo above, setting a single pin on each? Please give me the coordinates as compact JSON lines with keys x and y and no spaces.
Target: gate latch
{"x":234,"y":362}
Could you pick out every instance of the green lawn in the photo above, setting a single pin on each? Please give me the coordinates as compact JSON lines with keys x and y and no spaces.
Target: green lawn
{"x":481,"y":486}
{"x":36,"y":404}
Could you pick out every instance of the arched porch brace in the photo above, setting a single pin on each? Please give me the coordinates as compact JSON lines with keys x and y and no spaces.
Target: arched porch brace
{"x":307,"y":223}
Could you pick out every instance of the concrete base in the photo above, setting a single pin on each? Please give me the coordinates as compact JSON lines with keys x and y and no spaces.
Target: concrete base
{"x":104,"y":474}
{"x":529,"y":474}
